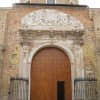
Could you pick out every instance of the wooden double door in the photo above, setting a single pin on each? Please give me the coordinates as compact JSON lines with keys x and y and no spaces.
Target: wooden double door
{"x":50,"y":75}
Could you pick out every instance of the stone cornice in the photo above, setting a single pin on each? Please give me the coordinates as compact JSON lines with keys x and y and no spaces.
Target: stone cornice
{"x":51,"y":33}
{"x":44,"y":4}
{"x":28,"y":36}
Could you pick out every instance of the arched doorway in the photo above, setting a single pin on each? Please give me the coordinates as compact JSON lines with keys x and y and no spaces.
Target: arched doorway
{"x":51,"y":75}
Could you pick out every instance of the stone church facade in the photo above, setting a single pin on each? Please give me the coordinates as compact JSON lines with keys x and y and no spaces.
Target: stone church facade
{"x":30,"y":26}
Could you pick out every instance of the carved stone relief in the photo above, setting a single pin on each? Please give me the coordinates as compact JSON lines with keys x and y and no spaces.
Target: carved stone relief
{"x":46,"y":19}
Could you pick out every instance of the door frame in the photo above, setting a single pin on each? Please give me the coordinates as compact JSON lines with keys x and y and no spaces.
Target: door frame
{"x":66,"y":50}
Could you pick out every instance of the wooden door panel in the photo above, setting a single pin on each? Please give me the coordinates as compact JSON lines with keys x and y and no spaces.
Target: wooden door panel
{"x":49,"y":66}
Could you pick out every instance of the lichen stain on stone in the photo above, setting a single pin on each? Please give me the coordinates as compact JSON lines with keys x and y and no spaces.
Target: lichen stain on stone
{"x":15,"y":57}
{"x":89,"y":54}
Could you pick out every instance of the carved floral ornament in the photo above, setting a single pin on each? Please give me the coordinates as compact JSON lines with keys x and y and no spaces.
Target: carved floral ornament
{"x":50,"y":19}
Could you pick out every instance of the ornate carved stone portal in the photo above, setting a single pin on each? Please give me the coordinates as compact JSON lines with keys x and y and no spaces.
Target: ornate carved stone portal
{"x":51,"y":28}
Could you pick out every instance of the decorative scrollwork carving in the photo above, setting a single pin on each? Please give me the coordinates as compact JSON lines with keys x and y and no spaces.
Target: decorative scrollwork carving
{"x":51,"y":20}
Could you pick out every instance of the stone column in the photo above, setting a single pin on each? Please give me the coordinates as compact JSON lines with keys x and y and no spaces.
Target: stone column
{"x":79,"y":61}
{"x":23,"y":68}
{"x":22,"y":81}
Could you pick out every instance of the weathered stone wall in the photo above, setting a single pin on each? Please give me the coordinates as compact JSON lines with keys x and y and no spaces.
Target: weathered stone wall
{"x":13,"y":46}
{"x":95,"y":16}
{"x":89,"y":49}
{"x":3,"y":20}
{"x":12,"y":54}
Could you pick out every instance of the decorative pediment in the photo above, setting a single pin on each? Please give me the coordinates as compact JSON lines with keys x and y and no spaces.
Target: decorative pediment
{"x":49,"y":19}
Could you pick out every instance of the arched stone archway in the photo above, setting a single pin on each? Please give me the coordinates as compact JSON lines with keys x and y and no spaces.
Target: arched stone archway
{"x":66,"y":50}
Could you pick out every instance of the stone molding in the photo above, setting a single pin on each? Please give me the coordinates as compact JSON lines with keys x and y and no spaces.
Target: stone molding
{"x":28,"y":36}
